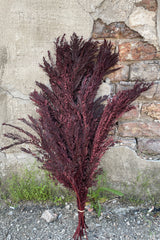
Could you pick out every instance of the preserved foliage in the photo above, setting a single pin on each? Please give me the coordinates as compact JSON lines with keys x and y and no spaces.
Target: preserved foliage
{"x":72,"y":131}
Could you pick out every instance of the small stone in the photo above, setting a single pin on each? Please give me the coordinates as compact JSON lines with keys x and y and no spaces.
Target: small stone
{"x":60,"y":216}
{"x":12,"y":207}
{"x":63,"y":231}
{"x":100,"y":218}
{"x":75,"y":215}
{"x":49,"y":216}
{"x":67,"y":207}
{"x":90,"y":209}
{"x":9,"y":237}
{"x":10,"y":213}
{"x":62,"y":196}
{"x":98,"y":225}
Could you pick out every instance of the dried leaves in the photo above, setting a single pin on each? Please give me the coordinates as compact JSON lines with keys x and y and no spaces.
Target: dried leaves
{"x":72,"y":128}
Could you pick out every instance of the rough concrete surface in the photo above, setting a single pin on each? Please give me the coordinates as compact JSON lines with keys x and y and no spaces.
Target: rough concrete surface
{"x":122,"y":164}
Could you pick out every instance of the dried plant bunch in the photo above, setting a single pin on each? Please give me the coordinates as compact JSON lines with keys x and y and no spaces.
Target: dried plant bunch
{"x":72,"y":130}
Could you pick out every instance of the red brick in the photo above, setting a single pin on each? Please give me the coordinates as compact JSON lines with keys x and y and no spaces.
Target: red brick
{"x":129,"y":142}
{"x":150,"y":5}
{"x":151,"y":110}
{"x":139,"y":129}
{"x":124,"y":86}
{"x":149,"y":146}
{"x":132,"y":114}
{"x":120,"y":75}
{"x":133,"y":51}
{"x":148,"y":70}
{"x":118,"y":30}
{"x":152,"y":93}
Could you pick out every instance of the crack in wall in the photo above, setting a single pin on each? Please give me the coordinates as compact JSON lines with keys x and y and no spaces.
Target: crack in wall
{"x":12,"y":95}
{"x":100,"y":5}
{"x":3,"y":61}
{"x":82,"y":6}
{"x":95,"y":7}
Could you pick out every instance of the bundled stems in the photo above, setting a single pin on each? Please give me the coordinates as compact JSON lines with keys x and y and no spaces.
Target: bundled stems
{"x":81,"y":228}
{"x":71,"y":133}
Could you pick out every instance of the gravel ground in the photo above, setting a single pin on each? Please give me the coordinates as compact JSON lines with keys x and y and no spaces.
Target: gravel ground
{"x":118,"y":221}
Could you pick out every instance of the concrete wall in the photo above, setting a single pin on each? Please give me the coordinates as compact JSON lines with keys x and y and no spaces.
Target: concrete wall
{"x":28,"y":29}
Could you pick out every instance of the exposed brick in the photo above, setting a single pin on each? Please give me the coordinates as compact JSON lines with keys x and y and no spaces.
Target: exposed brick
{"x":120,"y":75}
{"x":124,"y":86}
{"x":148,"y":70}
{"x":149,"y":146}
{"x":139,"y":129}
{"x":133,"y":51}
{"x":150,"y":5}
{"x":118,"y":30}
{"x":152,"y":110}
{"x":129,"y":142}
{"x":132,"y":114}
{"x":152,"y":93}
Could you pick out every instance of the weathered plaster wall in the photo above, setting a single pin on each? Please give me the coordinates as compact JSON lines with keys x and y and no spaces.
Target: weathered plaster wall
{"x":28,"y":29}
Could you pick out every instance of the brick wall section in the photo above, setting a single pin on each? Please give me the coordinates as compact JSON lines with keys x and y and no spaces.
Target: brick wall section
{"x":140,"y":128}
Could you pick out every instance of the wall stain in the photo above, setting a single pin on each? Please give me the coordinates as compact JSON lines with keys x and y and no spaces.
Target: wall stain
{"x":3,"y":60}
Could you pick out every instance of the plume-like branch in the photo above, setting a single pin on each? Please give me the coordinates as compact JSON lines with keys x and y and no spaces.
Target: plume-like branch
{"x":71,"y":133}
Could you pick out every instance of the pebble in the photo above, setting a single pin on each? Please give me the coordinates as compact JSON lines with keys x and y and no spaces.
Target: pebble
{"x":60,"y":216}
{"x":9,"y":237}
{"x":100,"y":218}
{"x":67,"y":207}
{"x":10,"y":213}
{"x":49,"y":216}
{"x":11,"y":207}
{"x":75,"y":215}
